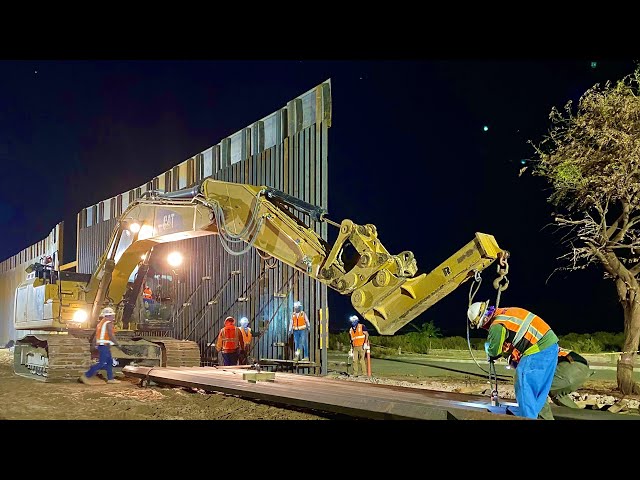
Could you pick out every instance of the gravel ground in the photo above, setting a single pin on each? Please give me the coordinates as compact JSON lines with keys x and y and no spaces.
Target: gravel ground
{"x":28,"y":399}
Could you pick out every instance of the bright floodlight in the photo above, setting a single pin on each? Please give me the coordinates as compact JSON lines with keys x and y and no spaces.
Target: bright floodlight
{"x":174,"y":259}
{"x":79,"y":316}
{"x":134,"y":227}
{"x":146,"y":231}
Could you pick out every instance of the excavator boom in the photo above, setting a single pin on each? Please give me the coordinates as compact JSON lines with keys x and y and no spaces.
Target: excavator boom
{"x":383,"y":287}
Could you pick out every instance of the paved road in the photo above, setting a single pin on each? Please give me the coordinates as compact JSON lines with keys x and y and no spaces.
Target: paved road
{"x":431,"y":366}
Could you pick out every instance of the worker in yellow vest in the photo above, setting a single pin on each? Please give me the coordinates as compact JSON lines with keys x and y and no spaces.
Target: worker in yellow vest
{"x":300,"y":326}
{"x":247,"y":336}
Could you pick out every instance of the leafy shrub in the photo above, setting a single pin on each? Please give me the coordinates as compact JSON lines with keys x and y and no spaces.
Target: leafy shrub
{"x":423,"y":341}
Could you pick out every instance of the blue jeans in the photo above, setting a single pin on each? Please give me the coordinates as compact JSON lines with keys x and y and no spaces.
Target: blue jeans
{"x":105,"y":361}
{"x":534,"y":376}
{"x":301,"y":342}
{"x":230,"y":358}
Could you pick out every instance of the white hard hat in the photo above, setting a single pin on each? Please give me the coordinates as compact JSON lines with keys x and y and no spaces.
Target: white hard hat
{"x":476,"y":313}
{"x":297,"y":303}
{"x":353,"y":318}
{"x":107,"y":311}
{"x":244,"y":321}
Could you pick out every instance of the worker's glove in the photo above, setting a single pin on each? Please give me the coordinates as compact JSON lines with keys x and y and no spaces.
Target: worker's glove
{"x":366,"y":347}
{"x":351,"y":352}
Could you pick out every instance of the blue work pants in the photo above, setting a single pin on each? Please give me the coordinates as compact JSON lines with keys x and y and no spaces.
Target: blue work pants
{"x":105,"y":362}
{"x":533,"y":381}
{"x":301,"y":342}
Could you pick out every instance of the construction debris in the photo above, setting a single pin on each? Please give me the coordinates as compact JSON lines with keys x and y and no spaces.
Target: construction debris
{"x":254,"y":377}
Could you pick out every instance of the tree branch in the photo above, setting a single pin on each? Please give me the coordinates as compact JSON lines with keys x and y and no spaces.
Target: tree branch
{"x":562,"y":220}
{"x":625,"y":221}
{"x":604,"y":261}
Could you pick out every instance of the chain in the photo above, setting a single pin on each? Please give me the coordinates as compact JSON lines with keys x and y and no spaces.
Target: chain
{"x":501,"y":283}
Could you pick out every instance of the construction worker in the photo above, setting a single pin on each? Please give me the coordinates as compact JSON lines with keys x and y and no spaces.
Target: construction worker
{"x":571,"y":373}
{"x":104,"y":338}
{"x":300,"y":326}
{"x":147,"y":296}
{"x":359,"y":342}
{"x":230,"y":342}
{"x":245,"y":329}
{"x":520,"y":334}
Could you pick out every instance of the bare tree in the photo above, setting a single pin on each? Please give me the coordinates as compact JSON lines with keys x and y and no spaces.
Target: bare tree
{"x":591,"y":158}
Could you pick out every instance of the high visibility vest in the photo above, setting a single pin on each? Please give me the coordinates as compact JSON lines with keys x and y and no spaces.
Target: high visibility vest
{"x":102,"y":334}
{"x":512,"y":318}
{"x":230,"y":341}
{"x":565,"y":355}
{"x":298,"y":321}
{"x":357,"y":336}
{"x":246,"y":336}
{"x":148,"y":294}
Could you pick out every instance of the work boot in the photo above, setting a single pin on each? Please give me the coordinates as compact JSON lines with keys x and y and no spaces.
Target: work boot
{"x":84,"y":379}
{"x":113,"y":380}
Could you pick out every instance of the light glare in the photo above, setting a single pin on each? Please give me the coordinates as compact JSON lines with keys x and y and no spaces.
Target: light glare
{"x":174,"y":259}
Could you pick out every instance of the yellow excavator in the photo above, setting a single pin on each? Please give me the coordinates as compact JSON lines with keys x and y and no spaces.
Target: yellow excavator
{"x":383,"y":287}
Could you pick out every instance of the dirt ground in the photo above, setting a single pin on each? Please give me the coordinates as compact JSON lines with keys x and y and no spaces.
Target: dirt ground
{"x":28,"y":399}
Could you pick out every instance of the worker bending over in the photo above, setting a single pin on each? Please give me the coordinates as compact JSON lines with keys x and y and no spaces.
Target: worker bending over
{"x":523,"y":334}
{"x":571,"y":373}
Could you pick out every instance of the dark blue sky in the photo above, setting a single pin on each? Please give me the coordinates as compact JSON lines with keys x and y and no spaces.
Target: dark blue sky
{"x":407,"y":152}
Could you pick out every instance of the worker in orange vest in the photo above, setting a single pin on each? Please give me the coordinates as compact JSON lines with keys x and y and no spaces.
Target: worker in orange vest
{"x":230,"y":342}
{"x":147,"y":295}
{"x":245,"y":329}
{"x":300,"y":326}
{"x":104,"y":338}
{"x":359,"y":343}
{"x":520,"y":334}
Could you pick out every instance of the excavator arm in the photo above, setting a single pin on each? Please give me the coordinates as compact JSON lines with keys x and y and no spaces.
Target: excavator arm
{"x":383,"y":287}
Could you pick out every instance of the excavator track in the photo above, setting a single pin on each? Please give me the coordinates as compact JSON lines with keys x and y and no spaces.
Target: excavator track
{"x":64,"y":357}
{"x":177,"y":353}
{"x":52,"y":358}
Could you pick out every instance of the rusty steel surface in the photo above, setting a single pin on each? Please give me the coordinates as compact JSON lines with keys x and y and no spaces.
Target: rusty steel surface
{"x":351,"y":398}
{"x":357,"y":399}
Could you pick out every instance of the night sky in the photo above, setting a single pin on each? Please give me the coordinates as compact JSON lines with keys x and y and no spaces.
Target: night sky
{"x":408,"y":152}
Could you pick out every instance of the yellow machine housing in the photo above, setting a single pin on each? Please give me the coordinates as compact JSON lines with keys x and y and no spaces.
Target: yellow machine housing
{"x":383,"y":287}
